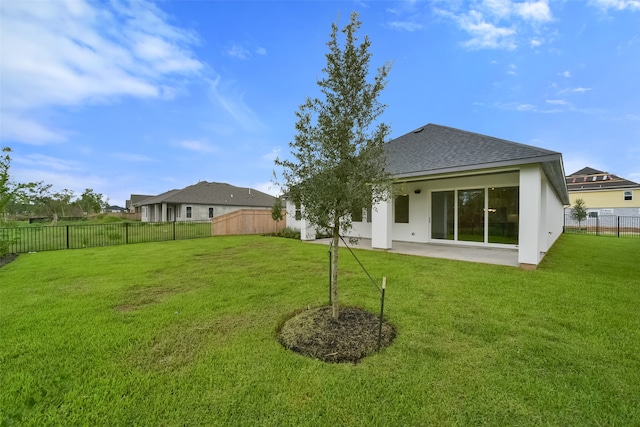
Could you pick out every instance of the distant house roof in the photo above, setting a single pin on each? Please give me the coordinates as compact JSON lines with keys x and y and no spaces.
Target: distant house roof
{"x":589,"y":179}
{"x":212,"y":193}
{"x":435,"y":149}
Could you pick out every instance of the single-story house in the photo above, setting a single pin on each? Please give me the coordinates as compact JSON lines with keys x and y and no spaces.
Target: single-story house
{"x":461,"y":188}
{"x":133,"y":200}
{"x":201,"y":201}
{"x":604,"y":193}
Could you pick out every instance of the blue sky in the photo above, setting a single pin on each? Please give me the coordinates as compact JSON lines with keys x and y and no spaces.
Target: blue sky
{"x":142,"y":97}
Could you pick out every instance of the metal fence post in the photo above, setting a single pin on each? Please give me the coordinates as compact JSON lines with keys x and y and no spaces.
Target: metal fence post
{"x":67,"y":236}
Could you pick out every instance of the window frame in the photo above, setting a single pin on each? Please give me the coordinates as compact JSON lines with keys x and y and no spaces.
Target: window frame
{"x":400,"y":204}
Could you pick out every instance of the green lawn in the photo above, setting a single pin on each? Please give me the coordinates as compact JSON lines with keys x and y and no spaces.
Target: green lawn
{"x":184,"y":333}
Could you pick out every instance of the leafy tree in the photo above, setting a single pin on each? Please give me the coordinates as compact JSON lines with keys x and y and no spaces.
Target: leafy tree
{"x":579,"y":211}
{"x":276,"y":210}
{"x":10,"y":192}
{"x":339,"y":164}
{"x":91,"y":202}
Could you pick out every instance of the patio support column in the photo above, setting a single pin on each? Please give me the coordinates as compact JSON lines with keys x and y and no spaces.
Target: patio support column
{"x":382,"y":224}
{"x":529,"y":243}
{"x":163,"y":213}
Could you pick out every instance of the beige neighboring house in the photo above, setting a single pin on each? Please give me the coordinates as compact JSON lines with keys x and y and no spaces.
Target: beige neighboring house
{"x":201,"y":202}
{"x":604,"y":193}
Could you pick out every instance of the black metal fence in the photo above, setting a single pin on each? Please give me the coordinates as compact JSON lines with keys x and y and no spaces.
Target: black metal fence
{"x":604,"y":225}
{"x":49,"y":238}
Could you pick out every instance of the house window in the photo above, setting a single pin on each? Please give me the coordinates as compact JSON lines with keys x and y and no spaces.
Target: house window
{"x":210,"y":212}
{"x":188,"y":211}
{"x":369,"y":214}
{"x":628,"y":195}
{"x":298,"y":212}
{"x":402,"y":209}
{"x":356,"y":215}
{"x":593,"y":214}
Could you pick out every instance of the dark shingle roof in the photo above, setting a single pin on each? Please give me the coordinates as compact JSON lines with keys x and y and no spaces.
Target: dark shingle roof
{"x":587,"y":171}
{"x":214,"y":193}
{"x":589,"y":179}
{"x":435,"y":149}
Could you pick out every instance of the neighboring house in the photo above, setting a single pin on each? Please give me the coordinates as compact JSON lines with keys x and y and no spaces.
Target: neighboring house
{"x":462,"y":188}
{"x":201,"y":201}
{"x":115,"y":209}
{"x":133,"y":200}
{"x":604,"y":193}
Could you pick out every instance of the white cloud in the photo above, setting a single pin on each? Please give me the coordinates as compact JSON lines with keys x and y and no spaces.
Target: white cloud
{"x":261,"y":51}
{"x":633,"y":5}
{"x":26,"y":130}
{"x":566,"y":74}
{"x":199,"y":146}
{"x":48,"y":162}
{"x":582,"y":89}
{"x":405,"y":25}
{"x":558,"y":102}
{"x":232,"y":104}
{"x":271,"y":156}
{"x":67,"y":53}
{"x":499,"y":24}
{"x":269,"y":188}
{"x":533,"y":11}
{"x":239,"y":52}
{"x":486,"y":35}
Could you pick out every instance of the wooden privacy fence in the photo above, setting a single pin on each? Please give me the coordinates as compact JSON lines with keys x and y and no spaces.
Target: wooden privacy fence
{"x":246,"y":221}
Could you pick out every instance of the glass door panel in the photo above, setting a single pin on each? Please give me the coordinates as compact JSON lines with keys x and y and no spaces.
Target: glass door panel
{"x":503,"y":215}
{"x":471,"y":215}
{"x":442,"y":215}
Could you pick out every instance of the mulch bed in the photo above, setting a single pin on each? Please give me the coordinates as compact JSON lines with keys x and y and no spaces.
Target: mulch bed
{"x":350,"y":338}
{"x":6,"y":259}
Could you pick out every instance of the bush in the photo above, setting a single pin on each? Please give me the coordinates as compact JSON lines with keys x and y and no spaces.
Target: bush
{"x":288,"y":233}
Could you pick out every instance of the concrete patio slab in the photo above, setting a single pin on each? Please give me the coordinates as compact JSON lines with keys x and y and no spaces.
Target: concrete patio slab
{"x":497,"y":256}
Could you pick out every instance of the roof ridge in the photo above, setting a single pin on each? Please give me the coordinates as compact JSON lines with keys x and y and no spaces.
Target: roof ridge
{"x":493,"y":138}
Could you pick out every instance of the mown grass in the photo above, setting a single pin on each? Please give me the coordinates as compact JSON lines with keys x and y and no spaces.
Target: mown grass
{"x":184,"y":333}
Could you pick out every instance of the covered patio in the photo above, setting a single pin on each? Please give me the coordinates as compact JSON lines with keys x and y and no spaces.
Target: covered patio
{"x":486,"y":255}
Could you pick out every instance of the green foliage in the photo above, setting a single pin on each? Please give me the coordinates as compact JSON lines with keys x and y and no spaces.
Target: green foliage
{"x":183,"y":333}
{"x":579,"y":211}
{"x":276,"y":210}
{"x":339,"y":162}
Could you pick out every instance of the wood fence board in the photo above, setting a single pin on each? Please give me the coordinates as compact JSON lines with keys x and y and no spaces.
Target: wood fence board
{"x":246,"y":221}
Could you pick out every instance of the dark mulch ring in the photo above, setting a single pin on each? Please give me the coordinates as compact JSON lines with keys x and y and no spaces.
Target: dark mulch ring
{"x":6,"y":259}
{"x":314,"y":333}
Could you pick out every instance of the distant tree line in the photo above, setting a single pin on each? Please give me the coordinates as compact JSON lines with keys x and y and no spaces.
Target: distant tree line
{"x":37,"y":199}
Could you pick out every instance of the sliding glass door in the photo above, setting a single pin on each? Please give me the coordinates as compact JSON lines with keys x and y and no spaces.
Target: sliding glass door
{"x":488,"y":215}
{"x":471,"y":215}
{"x":503,"y":215}
{"x":442,"y":215}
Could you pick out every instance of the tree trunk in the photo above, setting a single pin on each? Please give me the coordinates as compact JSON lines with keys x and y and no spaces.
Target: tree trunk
{"x":334,"y":271}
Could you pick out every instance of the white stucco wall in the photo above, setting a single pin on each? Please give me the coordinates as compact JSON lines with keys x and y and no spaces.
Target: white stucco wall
{"x":418,"y":227}
{"x":290,"y":213}
{"x":554,"y":216}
